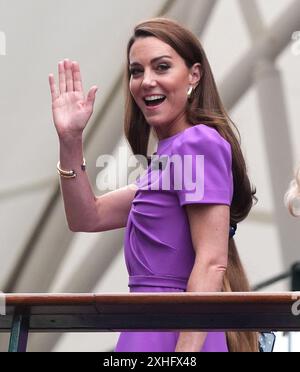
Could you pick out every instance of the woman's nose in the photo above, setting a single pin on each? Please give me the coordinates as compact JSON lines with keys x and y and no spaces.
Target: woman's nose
{"x":148,"y":80}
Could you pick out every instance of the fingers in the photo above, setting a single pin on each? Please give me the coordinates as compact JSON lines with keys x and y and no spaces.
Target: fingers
{"x":78,"y":87}
{"x":54,"y":93}
{"x":62,"y":78}
{"x":92,"y":96}
{"x":69,"y":75}
{"x":70,"y":80}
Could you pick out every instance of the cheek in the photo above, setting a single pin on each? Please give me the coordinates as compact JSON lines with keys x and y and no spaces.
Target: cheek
{"x":133,"y":86}
{"x":179,"y":97}
{"x":179,"y":90}
{"x":133,"y":90}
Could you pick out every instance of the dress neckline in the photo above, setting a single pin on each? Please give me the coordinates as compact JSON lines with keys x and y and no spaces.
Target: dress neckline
{"x":166,"y":141}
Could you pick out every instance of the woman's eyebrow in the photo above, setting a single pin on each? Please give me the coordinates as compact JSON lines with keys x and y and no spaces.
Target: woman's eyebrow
{"x":152,"y":61}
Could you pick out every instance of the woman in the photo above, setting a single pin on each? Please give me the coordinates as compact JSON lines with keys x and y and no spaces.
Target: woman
{"x":292,"y":197}
{"x":176,"y":239}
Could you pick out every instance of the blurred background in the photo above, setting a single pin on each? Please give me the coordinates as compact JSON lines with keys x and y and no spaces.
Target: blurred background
{"x":254,"y":50}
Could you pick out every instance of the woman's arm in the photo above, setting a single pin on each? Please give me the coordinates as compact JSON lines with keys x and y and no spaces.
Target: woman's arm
{"x":71,"y":112}
{"x":84,"y":211}
{"x":209,"y":225}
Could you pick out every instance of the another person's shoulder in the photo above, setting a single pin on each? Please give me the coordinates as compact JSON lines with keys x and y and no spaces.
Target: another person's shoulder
{"x":200,"y":139}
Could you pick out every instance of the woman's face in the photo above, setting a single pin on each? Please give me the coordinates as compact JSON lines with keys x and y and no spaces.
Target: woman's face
{"x":159,"y":84}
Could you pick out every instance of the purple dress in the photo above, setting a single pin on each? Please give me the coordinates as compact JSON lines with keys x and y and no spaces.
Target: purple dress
{"x":158,"y":248}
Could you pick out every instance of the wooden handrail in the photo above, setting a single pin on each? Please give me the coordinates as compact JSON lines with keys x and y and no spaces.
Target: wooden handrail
{"x":116,"y":312}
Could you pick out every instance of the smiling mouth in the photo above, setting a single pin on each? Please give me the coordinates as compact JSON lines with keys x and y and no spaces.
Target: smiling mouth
{"x":155,"y":102}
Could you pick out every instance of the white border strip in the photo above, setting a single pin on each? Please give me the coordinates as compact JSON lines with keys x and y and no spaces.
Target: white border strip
{"x":2,"y":43}
{"x":2,"y":304}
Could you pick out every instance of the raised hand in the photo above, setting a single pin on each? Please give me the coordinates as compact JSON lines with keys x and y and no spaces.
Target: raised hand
{"x":71,"y":109}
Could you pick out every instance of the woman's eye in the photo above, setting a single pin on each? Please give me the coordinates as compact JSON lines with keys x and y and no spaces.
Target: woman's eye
{"x":163,"y":67}
{"x":135,"y":71}
{"x":160,"y":68}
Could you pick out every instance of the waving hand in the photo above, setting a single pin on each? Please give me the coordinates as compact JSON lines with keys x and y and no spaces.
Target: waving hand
{"x":71,"y":109}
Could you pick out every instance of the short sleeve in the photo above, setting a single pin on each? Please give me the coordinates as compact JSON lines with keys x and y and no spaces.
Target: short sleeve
{"x":202,"y":173}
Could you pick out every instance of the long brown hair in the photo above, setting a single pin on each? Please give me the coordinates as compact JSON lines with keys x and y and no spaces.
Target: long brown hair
{"x":206,"y":108}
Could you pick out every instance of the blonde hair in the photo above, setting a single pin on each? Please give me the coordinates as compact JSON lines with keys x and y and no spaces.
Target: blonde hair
{"x":293,"y":195}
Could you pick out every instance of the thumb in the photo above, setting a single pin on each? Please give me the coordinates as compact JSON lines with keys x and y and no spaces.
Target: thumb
{"x":92,"y":95}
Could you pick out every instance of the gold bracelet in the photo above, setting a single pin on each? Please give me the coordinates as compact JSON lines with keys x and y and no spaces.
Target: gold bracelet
{"x":70,"y":173}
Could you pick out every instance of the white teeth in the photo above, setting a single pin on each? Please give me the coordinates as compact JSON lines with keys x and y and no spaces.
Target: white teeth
{"x":153,"y":98}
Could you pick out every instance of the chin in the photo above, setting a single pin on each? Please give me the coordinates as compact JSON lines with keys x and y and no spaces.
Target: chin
{"x":157,"y":121}
{"x":153,"y":122}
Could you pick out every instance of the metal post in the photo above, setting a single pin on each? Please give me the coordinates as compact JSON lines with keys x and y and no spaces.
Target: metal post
{"x":19,"y":334}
